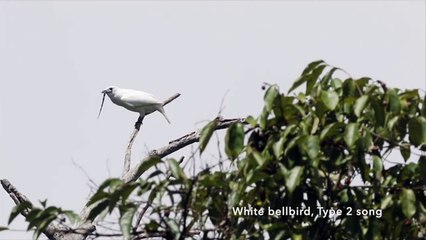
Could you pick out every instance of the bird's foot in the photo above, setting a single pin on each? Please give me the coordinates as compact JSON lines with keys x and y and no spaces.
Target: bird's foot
{"x":138,"y":123}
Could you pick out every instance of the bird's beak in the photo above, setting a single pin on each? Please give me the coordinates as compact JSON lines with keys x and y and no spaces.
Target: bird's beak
{"x":104,"y":91}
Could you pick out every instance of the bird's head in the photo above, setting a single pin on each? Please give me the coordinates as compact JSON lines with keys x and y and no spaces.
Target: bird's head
{"x":109,"y":90}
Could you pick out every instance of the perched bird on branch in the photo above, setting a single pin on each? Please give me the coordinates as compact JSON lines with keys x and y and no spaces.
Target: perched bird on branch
{"x":135,"y":101}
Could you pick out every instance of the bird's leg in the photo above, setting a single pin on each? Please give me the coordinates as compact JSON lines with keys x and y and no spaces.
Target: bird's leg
{"x":138,"y":123}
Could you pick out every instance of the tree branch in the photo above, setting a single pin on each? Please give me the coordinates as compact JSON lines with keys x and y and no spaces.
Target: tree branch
{"x":175,"y":145}
{"x":16,"y":196}
{"x":52,"y":232}
{"x":138,"y":124}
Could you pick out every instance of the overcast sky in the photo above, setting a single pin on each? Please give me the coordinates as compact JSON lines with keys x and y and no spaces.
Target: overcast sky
{"x":56,"y":57}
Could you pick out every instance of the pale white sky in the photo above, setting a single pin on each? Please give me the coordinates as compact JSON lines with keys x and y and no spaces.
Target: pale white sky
{"x":56,"y":57}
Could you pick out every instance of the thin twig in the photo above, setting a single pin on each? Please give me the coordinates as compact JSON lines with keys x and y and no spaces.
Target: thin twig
{"x":94,"y":185}
{"x":140,"y":216}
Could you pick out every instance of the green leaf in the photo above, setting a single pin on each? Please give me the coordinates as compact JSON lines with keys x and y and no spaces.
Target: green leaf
{"x":257,"y":176}
{"x":422,"y":168}
{"x":349,"y":88}
{"x":43,"y":225}
{"x":423,"y":111}
{"x":155,"y":173}
{"x":98,"y":196}
{"x":99,"y":207}
{"x":41,"y":218}
{"x":310,"y":145}
{"x":125,"y":191}
{"x":261,"y":159}
{"x":270,"y":96}
{"x":206,"y":134}
{"x":408,"y":202}
{"x":234,"y":140}
{"x":307,"y":74}
{"x":17,"y":210}
{"x":217,"y":179}
{"x":301,"y":97}
{"x":33,"y":215}
{"x":377,"y":167}
{"x":302,"y":79}
{"x":43,"y":203}
{"x":250,"y":120}
{"x":386,"y":202}
{"x":332,"y":130}
{"x":292,"y":177}
{"x":50,"y":211}
{"x":311,"y":66}
{"x":292,"y":113}
{"x":330,"y":99}
{"x":313,"y":77}
{"x":172,"y":225}
{"x":148,"y":164}
{"x":379,"y":111}
{"x":315,"y":125}
{"x":336,"y":83}
{"x":111,"y":183}
{"x":398,"y":127}
{"x":153,"y":193}
{"x":327,"y":77}
{"x":126,"y":217}
{"x":177,"y":171}
{"x":417,"y":131}
{"x":297,"y":236}
{"x":361,"y":82}
{"x":72,"y":216}
{"x":367,"y":140}
{"x":351,"y":134}
{"x":410,"y":95}
{"x":152,"y":226}
{"x":394,"y":102}
{"x":278,"y":147}
{"x":360,"y":105}
{"x":405,"y":151}
{"x":263,"y":118}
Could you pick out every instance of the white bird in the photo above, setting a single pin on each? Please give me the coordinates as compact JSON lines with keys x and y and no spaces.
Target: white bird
{"x":135,"y":101}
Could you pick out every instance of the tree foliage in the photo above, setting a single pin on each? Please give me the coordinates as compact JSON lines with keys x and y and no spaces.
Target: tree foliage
{"x":325,"y":148}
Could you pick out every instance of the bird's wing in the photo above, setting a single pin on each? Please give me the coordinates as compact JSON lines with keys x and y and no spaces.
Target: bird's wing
{"x":139,"y":99}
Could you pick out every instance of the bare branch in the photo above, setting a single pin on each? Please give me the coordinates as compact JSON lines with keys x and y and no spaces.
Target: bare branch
{"x":91,"y":181}
{"x":174,"y":146}
{"x":16,"y":196}
{"x":127,"y":157}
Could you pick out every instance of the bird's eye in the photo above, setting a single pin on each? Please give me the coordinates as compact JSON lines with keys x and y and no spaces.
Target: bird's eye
{"x":110,"y":89}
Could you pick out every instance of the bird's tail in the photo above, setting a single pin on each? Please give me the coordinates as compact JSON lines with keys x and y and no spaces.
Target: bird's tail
{"x":161,"y":110}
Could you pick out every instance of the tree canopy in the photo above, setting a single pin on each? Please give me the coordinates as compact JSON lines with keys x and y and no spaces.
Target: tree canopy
{"x":315,"y":164}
